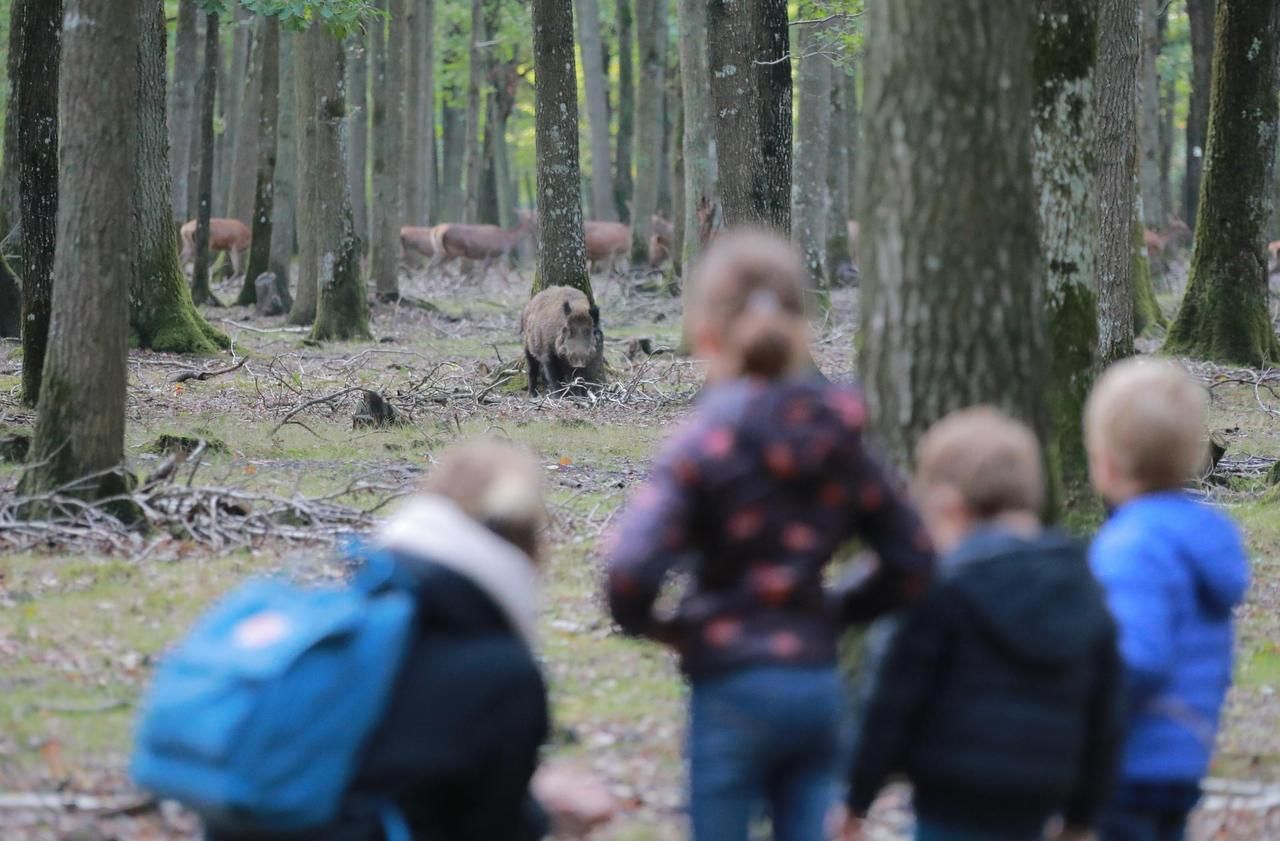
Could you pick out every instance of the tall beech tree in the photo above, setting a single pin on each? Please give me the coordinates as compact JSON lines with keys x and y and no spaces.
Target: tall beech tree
{"x":358,"y":127}
{"x":562,"y":257}
{"x":595,"y":83}
{"x":1065,"y":60}
{"x":1154,"y":214}
{"x":699,"y":181}
{"x":268,"y":152}
{"x":472,"y":159}
{"x":183,"y":105}
{"x":284,"y":205}
{"x":201,"y":291}
{"x":161,"y":313}
{"x":810,"y":201}
{"x":386,"y":213}
{"x":651,"y":29}
{"x":1224,"y":315}
{"x":622,"y":180}
{"x":33,"y":116}
{"x":1200,"y":14}
{"x":78,"y":444}
{"x":953,"y":306}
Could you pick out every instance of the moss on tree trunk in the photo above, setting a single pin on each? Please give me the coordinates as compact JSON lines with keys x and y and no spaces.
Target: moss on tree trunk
{"x":1146,"y":308}
{"x":1224,"y":315}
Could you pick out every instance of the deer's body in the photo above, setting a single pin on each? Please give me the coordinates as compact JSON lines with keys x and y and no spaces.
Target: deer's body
{"x":229,"y":235}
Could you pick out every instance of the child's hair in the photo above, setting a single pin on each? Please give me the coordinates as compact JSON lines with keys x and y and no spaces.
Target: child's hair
{"x":990,"y":459}
{"x":748,"y":291}
{"x":1148,"y":416}
{"x":498,"y":484}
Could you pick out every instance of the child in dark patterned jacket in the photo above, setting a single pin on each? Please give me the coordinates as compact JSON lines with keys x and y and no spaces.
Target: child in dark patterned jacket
{"x":752,"y":497}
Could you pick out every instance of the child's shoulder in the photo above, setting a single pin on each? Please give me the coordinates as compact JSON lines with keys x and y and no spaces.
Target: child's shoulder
{"x":1160,"y":530}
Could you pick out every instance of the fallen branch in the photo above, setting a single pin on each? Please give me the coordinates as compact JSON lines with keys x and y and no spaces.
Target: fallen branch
{"x":316,"y":402}
{"x":263,"y":329}
{"x":183,"y":376}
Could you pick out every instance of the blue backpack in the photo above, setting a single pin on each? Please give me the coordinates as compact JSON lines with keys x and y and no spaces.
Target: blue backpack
{"x":257,"y":720}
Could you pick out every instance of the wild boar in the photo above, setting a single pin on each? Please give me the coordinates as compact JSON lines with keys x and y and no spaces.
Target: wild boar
{"x":562,"y":339}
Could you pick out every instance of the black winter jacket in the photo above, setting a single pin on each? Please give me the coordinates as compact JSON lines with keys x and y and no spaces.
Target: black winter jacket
{"x":1000,"y":697}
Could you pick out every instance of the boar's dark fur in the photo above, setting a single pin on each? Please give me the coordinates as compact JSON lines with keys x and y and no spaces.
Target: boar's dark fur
{"x":562,"y":340}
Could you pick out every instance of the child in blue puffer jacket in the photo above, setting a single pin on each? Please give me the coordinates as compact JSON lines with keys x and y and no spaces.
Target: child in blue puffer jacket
{"x":1174,"y":569}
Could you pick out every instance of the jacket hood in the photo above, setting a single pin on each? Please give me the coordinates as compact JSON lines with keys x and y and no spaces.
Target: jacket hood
{"x":434,"y":529}
{"x":1035,"y":597}
{"x":807,"y":428}
{"x":1202,"y":537}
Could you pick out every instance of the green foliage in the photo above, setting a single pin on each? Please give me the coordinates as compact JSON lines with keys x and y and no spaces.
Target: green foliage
{"x":342,"y":17}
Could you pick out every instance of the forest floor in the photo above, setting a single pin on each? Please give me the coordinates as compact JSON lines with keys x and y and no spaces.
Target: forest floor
{"x":282,"y":471}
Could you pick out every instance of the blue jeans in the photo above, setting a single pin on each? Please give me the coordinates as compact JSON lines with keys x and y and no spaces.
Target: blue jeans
{"x":766,"y":741}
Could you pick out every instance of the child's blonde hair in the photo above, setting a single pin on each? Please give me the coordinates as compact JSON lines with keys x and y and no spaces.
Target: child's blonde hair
{"x":990,"y":459}
{"x":1148,"y":417}
{"x":498,"y":484}
{"x":748,"y":292}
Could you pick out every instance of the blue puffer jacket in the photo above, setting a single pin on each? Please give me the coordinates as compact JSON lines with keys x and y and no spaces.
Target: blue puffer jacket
{"x":1173,"y":569}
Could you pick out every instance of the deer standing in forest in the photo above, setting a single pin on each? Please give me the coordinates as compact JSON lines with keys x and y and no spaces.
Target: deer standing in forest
{"x":483,"y":244}
{"x":1175,"y":233}
{"x":607,"y":242}
{"x":417,"y":243}
{"x":229,"y":235}
{"x":660,"y":240}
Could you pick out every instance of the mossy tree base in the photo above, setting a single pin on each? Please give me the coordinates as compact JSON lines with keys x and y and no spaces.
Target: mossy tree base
{"x":1146,"y":307}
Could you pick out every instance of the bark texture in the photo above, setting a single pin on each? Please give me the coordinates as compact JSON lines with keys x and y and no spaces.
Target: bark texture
{"x":285,"y":192}
{"x":1200,"y":15}
{"x":201,"y":293}
{"x":734,"y":106}
{"x":411,"y":144}
{"x":386,"y":214}
{"x":622,"y":180}
{"x":161,"y":314}
{"x":810,"y":201}
{"x":472,"y":160}
{"x":651,"y":37}
{"x":953,"y":307}
{"x":1153,"y":210}
{"x":1224,"y":316}
{"x":86,"y":365}
{"x":358,"y":129}
{"x":233,"y":87}
{"x":772,"y":62}
{"x":9,"y":170}
{"x":695,"y":81}
{"x":264,"y":200}
{"x":562,"y":257}
{"x":34,"y":114}
{"x":183,"y":105}
{"x":1119,"y":54}
{"x":595,"y":82}
{"x":1065,"y":59}
{"x":330,"y":251}
{"x":428,"y":149}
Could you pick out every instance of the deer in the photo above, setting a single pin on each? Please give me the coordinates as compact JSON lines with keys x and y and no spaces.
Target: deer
{"x":1175,"y":232}
{"x":417,"y":243}
{"x":229,"y":235}
{"x":481,"y":243}
{"x":662,"y":236}
{"x":606,"y":242}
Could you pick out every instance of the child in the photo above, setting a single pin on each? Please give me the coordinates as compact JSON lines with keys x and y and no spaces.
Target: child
{"x":752,"y":497}
{"x":999,"y":697}
{"x":1174,"y":569}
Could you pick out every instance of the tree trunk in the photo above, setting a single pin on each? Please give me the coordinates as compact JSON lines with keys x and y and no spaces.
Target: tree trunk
{"x":161,"y":314}
{"x":1066,"y":56}
{"x":1153,"y":212}
{"x":504,"y":100}
{"x":810,"y":201}
{"x":79,"y":433}
{"x":411,"y":125}
{"x":696,"y":99}
{"x":453,"y":120}
{"x":428,"y":149}
{"x":623,"y":184}
{"x":10,"y":302}
{"x":9,"y":214}
{"x":1146,"y":309}
{"x":952,"y":313}
{"x":264,"y":200}
{"x":1168,"y":107}
{"x":233,"y":110}
{"x":562,"y":257}
{"x":735,"y":106}
{"x":201,"y":293}
{"x":385,"y":214}
{"x":772,"y":62}
{"x":244,"y":168}
{"x":853,"y":122}
{"x":358,"y":129}
{"x":595,"y":80}
{"x":34,"y":113}
{"x":651,"y":38}
{"x":182,"y":105}
{"x":285,"y":193}
{"x":837,"y":176}
{"x":194,"y":151}
{"x":1224,"y":315}
{"x":1116,"y":148}
{"x":330,"y":249}
{"x":678,"y":202}
{"x":1200,"y":15}
{"x":472,"y":159}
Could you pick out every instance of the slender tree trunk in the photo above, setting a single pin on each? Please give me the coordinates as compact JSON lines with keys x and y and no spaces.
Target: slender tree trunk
{"x":622,"y":181}
{"x":358,"y":129}
{"x":10,"y":302}
{"x":1200,"y":15}
{"x":677,"y":184}
{"x":810,"y":201}
{"x":34,"y":112}
{"x":453,"y":120}
{"x":595,"y":81}
{"x":504,"y":103}
{"x":161,"y":314}
{"x":853,"y":122}
{"x":411,"y":143}
{"x":264,"y":200}
{"x":952,"y":313}
{"x":1146,"y":309}
{"x":429,"y":207}
{"x":285,"y":193}
{"x":9,"y":213}
{"x":487,"y":205}
{"x":244,"y":169}
{"x":1168,"y":105}
{"x":1224,"y":315}
{"x":330,"y":249}
{"x":388,"y":109}
{"x":1066,"y":57}
{"x":194,"y":151}
{"x":182,"y":105}
{"x":651,"y":36}
{"x":233,"y":110}
{"x":837,"y":176}
{"x":79,"y":434}
{"x":201,"y":293}
{"x":735,"y":106}
{"x":1119,"y":57}
{"x":473,"y":161}
{"x":696,"y":99}
{"x":772,"y":62}
{"x":562,"y":257}
{"x":1153,"y":212}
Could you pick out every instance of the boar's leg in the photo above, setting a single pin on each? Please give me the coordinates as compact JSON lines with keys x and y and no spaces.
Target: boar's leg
{"x":535,"y":370}
{"x":553,"y":372}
